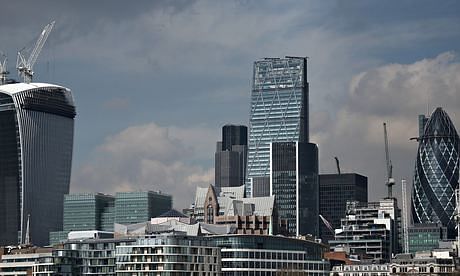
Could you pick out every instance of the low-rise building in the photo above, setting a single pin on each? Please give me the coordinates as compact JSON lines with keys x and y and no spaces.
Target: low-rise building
{"x":423,"y":263}
{"x":270,"y":255}
{"x":168,"y":255}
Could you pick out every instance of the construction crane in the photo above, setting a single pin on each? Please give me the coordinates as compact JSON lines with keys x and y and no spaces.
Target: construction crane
{"x":337,"y":164}
{"x":405,"y":222}
{"x":327,"y":224}
{"x":25,"y":63}
{"x":390,"y":179}
{"x":3,"y":70}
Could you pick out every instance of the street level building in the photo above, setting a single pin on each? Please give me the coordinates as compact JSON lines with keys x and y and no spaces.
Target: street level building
{"x":334,"y":192}
{"x":168,"y":255}
{"x":279,"y":113}
{"x":270,"y":255}
{"x":36,"y":143}
{"x":436,"y":172}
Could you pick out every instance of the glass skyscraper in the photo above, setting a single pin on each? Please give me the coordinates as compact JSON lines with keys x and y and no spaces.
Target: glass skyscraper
{"x":279,"y":113}
{"x":436,"y":172}
{"x":294,"y":183}
{"x":36,"y":142}
{"x":231,"y":156}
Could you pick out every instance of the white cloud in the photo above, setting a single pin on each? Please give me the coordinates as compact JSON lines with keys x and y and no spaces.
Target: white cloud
{"x":396,"y":94}
{"x":148,"y":157}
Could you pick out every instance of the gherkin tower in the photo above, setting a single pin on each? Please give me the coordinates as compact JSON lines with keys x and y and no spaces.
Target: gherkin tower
{"x":436,"y":172}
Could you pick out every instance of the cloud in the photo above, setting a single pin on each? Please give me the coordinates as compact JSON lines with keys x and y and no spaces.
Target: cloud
{"x":148,"y":157}
{"x":396,"y":94}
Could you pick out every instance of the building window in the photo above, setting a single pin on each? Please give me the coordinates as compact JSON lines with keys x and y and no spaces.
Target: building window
{"x":210,"y":214}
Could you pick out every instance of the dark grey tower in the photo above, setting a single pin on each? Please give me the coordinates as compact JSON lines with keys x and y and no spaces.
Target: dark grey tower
{"x":334,"y":192}
{"x":231,"y":156}
{"x":36,"y":142}
{"x":294,"y":183}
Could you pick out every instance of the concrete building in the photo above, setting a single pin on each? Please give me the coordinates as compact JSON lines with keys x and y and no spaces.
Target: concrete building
{"x":334,"y":192}
{"x":228,"y":206}
{"x":423,"y":263}
{"x":365,"y":269}
{"x":36,"y":143}
{"x":369,"y":230}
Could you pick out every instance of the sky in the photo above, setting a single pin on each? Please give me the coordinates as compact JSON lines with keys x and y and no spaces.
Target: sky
{"x":154,"y":81}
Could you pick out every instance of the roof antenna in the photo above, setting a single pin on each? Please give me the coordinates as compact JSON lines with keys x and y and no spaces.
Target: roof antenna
{"x":25,"y":63}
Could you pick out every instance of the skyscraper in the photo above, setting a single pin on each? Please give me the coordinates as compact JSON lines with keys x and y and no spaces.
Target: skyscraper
{"x":294,"y":184}
{"x":36,"y":142}
{"x":436,"y":172}
{"x":334,"y":192}
{"x":231,"y":156}
{"x":279,"y":113}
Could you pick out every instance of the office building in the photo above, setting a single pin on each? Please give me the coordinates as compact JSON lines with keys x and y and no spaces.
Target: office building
{"x":84,"y":212}
{"x":270,"y":255}
{"x":134,"y":207}
{"x":423,"y":263}
{"x":369,"y":230}
{"x":36,"y":143}
{"x":279,"y":113}
{"x":436,"y":172}
{"x":231,"y":156}
{"x":294,"y":184}
{"x":425,"y":237}
{"x":334,"y":192}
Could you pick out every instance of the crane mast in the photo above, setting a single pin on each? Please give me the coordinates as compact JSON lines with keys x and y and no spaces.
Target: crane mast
{"x":3,"y":70}
{"x":405,"y":220}
{"x":390,"y":179}
{"x":25,"y":63}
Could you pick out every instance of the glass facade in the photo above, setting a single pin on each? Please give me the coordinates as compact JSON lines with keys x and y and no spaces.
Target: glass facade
{"x":85,"y":211}
{"x":37,"y":125}
{"x":135,"y":207}
{"x":436,"y":173}
{"x":270,"y":256}
{"x":279,"y":111}
{"x":425,"y":237}
{"x":294,"y":183}
{"x":334,"y":192}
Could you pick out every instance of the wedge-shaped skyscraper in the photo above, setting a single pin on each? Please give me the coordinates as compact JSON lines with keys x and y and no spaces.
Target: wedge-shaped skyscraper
{"x":36,"y":142}
{"x":436,"y":172}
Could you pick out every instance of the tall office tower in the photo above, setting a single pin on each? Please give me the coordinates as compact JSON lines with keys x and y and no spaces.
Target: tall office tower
{"x":279,"y":113}
{"x":436,"y":173}
{"x":334,"y":192}
{"x":36,"y":142}
{"x":231,"y":156}
{"x":294,"y":183}
{"x":135,"y":207}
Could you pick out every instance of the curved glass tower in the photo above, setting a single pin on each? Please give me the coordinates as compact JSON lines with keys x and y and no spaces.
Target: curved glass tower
{"x":436,"y":172}
{"x":36,"y":142}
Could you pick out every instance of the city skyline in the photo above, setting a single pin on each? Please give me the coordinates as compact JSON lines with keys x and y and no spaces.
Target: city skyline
{"x":155,"y":82}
